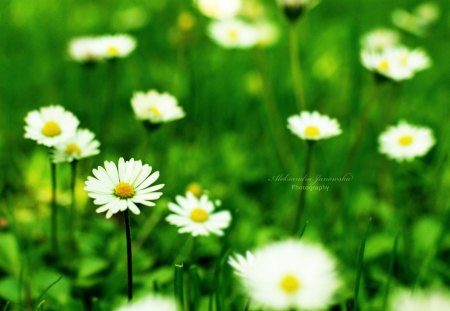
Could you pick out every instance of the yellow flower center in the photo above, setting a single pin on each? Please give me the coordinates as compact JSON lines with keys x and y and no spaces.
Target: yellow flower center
{"x":124,"y":190}
{"x":290,"y":284}
{"x":155,"y":111}
{"x":112,"y":51}
{"x":383,"y":65}
{"x":405,"y":140}
{"x":51,"y":129}
{"x":312,"y":131}
{"x":72,"y":149}
{"x":199,"y":215}
{"x":233,"y":35}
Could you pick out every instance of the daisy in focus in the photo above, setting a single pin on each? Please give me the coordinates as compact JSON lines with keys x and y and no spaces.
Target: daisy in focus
{"x":292,"y":274}
{"x":157,"y":303}
{"x":404,"y":142}
{"x":116,"y":46}
{"x":380,"y":39}
{"x":50,"y":125}
{"x":219,"y":9}
{"x":313,"y":126}
{"x":196,"y":216}
{"x":117,"y":188}
{"x":82,"y":145}
{"x":156,"y":107}
{"x":241,"y":263}
{"x":432,"y":301}
{"x":85,"y":49}
{"x":234,"y":33}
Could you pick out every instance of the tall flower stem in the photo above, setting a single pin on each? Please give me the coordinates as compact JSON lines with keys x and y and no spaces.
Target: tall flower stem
{"x":295,"y":66}
{"x":54,"y":210}
{"x":126,"y":218}
{"x":302,"y":200}
{"x":72,"y":216}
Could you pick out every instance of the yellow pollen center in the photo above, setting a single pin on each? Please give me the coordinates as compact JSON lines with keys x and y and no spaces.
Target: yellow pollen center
{"x":124,"y":190}
{"x":233,"y":35}
{"x":51,"y":129}
{"x":312,"y":131}
{"x":406,"y":140}
{"x":199,"y":215}
{"x":112,"y":51}
{"x":290,"y":284}
{"x":155,"y":111}
{"x":72,"y":149}
{"x":383,"y":66}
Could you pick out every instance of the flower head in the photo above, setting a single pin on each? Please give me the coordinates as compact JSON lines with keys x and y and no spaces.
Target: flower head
{"x":293,"y":9}
{"x":419,"y":301}
{"x":82,"y":145}
{"x":156,"y":107}
{"x":234,"y":33}
{"x":50,"y":125}
{"x":196,"y":216}
{"x":292,"y":274}
{"x":404,"y":142}
{"x":241,"y":263}
{"x":380,"y":39}
{"x":85,"y":49}
{"x":119,"y":187}
{"x":157,"y":303}
{"x":116,"y":46}
{"x":219,"y":9}
{"x":313,"y":126}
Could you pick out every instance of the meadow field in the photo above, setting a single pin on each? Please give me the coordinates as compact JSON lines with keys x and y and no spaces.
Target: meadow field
{"x":304,"y":163}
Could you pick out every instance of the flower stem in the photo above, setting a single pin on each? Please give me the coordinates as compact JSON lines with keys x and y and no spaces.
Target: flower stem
{"x":390,"y":272}
{"x":178,"y":285}
{"x":295,"y":66}
{"x":302,"y":200}
{"x":126,"y":217}
{"x":360,"y":265}
{"x":54,"y":215}
{"x":72,"y":216}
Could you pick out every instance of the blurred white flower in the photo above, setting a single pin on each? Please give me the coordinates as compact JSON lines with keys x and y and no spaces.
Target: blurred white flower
{"x":219,"y":9}
{"x":156,"y":303}
{"x":50,"y":125}
{"x":121,"y":187}
{"x":241,"y":263}
{"x":82,"y":145}
{"x":313,"y":126}
{"x":419,"y":20}
{"x":420,"y":301}
{"x":404,"y":142}
{"x":292,"y":274}
{"x":234,"y":33}
{"x":156,"y":107}
{"x":197,"y":217}
{"x":396,"y":63}
{"x":116,"y":46}
{"x":380,"y":39}
{"x":85,"y":49}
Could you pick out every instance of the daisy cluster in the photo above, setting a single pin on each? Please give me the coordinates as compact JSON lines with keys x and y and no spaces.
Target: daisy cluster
{"x":57,"y":129}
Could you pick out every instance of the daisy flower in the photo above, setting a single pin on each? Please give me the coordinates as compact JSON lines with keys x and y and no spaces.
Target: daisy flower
{"x":404,"y":142}
{"x":85,"y":49}
{"x":240,"y":263}
{"x":313,"y":126}
{"x":233,"y":33}
{"x":432,"y":301}
{"x":293,"y":9}
{"x":196,"y":216}
{"x":120,"y":187}
{"x":82,"y":145}
{"x":116,"y":46}
{"x":380,"y":39}
{"x":50,"y":125}
{"x":219,"y":9}
{"x":156,"y":107}
{"x":157,"y":303}
{"x":292,"y":274}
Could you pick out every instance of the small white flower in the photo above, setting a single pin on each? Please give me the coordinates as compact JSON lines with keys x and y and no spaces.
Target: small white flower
{"x":121,"y":187}
{"x":150,"y":303}
{"x":50,"y":125}
{"x":219,"y":9}
{"x":380,"y":39}
{"x":116,"y":46}
{"x":404,"y":142}
{"x":420,"y":301}
{"x":156,"y":107}
{"x":234,"y":33}
{"x":82,"y":145}
{"x":292,"y":274}
{"x":85,"y":49}
{"x":196,"y":216}
{"x":241,"y":263}
{"x":313,"y":126}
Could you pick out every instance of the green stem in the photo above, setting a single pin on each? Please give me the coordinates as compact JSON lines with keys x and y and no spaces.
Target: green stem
{"x":72,"y":216}
{"x":295,"y":66}
{"x":247,"y":305}
{"x":391,"y":270}
{"x":178,"y":285}
{"x":360,"y":265}
{"x":54,"y":215}
{"x":302,"y":200}
{"x":126,"y":217}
